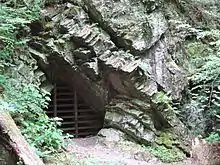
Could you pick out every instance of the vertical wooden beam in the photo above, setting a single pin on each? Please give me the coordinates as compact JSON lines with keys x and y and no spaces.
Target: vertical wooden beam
{"x":55,"y":101}
{"x":76,"y":114}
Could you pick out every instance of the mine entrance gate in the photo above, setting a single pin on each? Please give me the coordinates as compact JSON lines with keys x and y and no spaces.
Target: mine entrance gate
{"x":79,"y":119}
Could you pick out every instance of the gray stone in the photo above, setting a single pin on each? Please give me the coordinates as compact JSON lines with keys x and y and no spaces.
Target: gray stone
{"x":118,"y":55}
{"x":128,"y":22}
{"x":111,"y":135}
{"x":7,"y":156}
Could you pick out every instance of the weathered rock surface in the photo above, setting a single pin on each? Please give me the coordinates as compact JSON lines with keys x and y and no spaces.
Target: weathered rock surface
{"x":117,"y":54}
{"x":128,"y":23}
{"x":6,"y":154}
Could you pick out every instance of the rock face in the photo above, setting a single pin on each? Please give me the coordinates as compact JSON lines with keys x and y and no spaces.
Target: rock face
{"x":118,"y":55}
{"x":7,"y":156}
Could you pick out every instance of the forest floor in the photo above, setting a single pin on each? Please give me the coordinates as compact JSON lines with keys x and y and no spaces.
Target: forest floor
{"x":92,"y":151}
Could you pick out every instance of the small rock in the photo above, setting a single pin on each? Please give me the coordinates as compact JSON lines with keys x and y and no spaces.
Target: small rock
{"x":142,"y":156}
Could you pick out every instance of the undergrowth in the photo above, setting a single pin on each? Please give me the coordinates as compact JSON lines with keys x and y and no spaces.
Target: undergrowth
{"x":213,"y":137}
{"x":165,"y":154}
{"x":12,"y":21}
{"x":25,"y":101}
{"x":204,"y":55}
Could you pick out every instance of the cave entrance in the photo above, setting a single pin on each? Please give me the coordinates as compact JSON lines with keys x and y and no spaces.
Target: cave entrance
{"x":79,"y":118}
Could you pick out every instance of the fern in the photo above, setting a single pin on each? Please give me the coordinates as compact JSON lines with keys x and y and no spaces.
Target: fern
{"x":206,"y":81}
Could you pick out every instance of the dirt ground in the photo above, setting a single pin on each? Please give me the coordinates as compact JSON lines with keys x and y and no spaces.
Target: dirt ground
{"x":92,"y":151}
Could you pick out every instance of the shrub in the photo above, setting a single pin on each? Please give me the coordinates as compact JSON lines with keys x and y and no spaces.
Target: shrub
{"x":26,"y":102}
{"x":205,"y":81}
{"x":213,"y":137}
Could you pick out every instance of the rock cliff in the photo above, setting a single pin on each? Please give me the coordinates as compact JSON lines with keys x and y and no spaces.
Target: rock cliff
{"x":119,"y":55}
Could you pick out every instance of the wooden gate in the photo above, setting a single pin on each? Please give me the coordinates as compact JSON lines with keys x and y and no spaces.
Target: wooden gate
{"x":79,"y":119}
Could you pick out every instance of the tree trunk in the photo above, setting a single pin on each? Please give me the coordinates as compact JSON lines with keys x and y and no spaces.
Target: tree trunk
{"x":16,"y":141}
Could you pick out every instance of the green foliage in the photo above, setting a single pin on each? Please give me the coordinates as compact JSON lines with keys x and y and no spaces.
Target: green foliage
{"x":166,"y":148}
{"x":207,"y":87}
{"x":205,"y":13}
{"x":43,"y":135}
{"x":197,"y":52}
{"x":205,"y":81}
{"x":167,"y":154}
{"x":11,"y":21}
{"x":26,"y":102}
{"x":213,"y":137}
{"x":162,"y":98}
{"x":165,"y":139}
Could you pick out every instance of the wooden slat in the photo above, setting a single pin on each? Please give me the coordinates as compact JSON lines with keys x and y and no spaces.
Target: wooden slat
{"x":68,"y":122}
{"x":87,"y":133}
{"x":82,"y":122}
{"x":67,"y":117}
{"x":79,"y":116}
{"x":72,"y":105}
{"x":79,"y":128}
{"x":88,"y":121}
{"x":48,"y":112}
{"x":64,"y":99}
{"x":64,"y":94}
{"x":76,"y":114}
{"x":69,"y":111}
{"x":55,"y":102}
{"x":64,"y":105}
{"x":87,"y":127}
{"x":62,"y":111}
{"x":68,"y":129}
{"x":85,"y":110}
